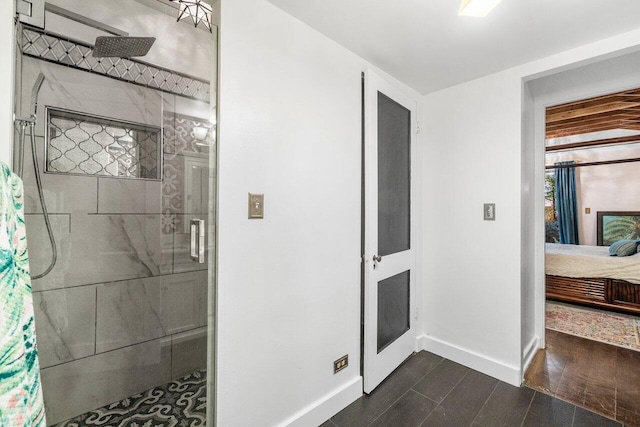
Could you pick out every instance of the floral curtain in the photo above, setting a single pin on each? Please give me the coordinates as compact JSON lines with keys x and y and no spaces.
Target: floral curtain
{"x":21,"y":403}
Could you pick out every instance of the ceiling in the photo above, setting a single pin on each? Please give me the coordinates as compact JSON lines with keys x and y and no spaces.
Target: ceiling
{"x":425,"y":44}
{"x":620,"y":110}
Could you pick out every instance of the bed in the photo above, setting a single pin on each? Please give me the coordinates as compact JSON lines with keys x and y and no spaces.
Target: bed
{"x":587,"y":275}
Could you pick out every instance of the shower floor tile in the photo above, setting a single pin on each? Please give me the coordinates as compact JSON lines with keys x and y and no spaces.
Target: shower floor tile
{"x":179,"y":403}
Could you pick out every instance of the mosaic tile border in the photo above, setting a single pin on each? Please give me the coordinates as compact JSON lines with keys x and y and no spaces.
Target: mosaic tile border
{"x":49,"y":47}
{"x":181,"y":402}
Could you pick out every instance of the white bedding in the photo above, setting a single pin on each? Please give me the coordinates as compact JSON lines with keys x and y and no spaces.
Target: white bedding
{"x":590,"y":262}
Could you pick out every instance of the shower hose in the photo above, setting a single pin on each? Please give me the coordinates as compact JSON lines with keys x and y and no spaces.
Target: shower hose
{"x":31,"y":122}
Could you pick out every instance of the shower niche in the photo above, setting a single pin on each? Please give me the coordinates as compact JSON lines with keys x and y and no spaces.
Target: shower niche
{"x":77,"y":143}
{"x":126,"y":154}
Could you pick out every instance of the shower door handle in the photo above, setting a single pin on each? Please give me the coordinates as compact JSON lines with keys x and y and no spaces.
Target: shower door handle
{"x":197,"y":240}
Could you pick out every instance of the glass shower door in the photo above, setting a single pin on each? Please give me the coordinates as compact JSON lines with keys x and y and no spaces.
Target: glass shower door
{"x":126,"y":154}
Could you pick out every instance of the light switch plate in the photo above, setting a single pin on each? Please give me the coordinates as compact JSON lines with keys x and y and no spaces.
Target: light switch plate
{"x":489,"y":211}
{"x":256,"y":206}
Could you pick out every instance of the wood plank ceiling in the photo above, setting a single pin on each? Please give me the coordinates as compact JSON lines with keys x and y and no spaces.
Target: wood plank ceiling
{"x":619,"y":110}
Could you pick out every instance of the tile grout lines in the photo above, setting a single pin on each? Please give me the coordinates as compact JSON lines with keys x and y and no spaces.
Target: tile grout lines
{"x":485,"y":402}
{"x":408,"y":390}
{"x":445,"y":396}
{"x":577,"y":405}
{"x":533,"y":396}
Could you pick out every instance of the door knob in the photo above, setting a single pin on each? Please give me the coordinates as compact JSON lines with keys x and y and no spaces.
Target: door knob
{"x":377,"y":258}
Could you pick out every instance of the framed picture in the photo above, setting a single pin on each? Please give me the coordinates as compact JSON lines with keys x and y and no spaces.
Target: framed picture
{"x":614,"y":226}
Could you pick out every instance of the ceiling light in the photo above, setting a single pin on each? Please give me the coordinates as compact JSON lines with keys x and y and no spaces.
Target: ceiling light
{"x":197,"y":10}
{"x":477,"y":8}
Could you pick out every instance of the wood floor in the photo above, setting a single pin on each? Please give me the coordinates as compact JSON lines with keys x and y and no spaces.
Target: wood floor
{"x":599,"y":377}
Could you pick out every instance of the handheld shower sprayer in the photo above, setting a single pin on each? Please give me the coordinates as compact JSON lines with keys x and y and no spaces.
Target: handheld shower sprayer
{"x":34,"y":94}
{"x":30,"y":121}
{"x":23,"y":122}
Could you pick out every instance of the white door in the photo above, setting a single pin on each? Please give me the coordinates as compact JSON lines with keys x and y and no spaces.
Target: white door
{"x":389,"y":262}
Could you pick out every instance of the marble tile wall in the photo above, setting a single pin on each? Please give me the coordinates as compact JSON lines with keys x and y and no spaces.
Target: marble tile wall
{"x":75,"y":90}
{"x":125,"y":308}
{"x":66,"y":324}
{"x":71,"y":388}
{"x":188,"y":352}
{"x":139,"y":310}
{"x":102,"y":248}
{"x":129,"y":196}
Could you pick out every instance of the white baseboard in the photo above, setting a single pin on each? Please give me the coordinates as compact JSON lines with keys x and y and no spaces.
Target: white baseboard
{"x":326,"y":407}
{"x":484,"y":364}
{"x":527,"y":355}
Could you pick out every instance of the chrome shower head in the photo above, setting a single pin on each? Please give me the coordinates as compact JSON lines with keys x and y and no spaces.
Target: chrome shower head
{"x":122,"y":47}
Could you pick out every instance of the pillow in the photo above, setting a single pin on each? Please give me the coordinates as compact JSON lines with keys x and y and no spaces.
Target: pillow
{"x":624,"y":247}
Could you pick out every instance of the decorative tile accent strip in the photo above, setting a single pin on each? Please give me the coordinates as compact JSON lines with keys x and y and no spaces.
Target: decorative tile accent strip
{"x":87,"y":145}
{"x":180,"y":403}
{"x":52,"y":48}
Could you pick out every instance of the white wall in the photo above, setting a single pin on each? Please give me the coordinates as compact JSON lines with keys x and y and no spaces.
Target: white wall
{"x":472,"y":271}
{"x":482,"y":279}
{"x":6,"y":83}
{"x":289,"y":285}
{"x":604,"y":187}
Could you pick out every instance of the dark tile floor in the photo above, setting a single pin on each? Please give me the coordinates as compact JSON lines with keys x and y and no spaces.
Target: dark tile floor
{"x":597,"y":376}
{"x":180,"y":403}
{"x":428,"y":390}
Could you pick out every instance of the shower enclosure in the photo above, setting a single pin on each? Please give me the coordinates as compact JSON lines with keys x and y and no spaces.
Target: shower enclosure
{"x":126,"y":163}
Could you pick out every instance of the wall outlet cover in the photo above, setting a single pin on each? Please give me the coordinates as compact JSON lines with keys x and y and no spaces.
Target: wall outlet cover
{"x":489,"y":211}
{"x":256,"y":206}
{"x":340,"y":364}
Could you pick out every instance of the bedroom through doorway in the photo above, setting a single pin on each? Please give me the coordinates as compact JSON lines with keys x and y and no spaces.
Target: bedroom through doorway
{"x":592,"y":237}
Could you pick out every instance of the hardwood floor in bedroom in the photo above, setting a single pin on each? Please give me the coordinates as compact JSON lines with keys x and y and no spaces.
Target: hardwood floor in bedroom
{"x":599,"y":377}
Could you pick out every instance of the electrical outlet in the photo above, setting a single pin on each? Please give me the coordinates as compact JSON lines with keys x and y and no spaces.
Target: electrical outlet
{"x":340,"y":364}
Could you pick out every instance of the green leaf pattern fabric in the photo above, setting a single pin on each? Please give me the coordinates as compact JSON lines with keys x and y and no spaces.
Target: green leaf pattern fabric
{"x":21,"y":403}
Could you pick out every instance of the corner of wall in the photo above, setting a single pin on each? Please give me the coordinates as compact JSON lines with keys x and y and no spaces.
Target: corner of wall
{"x":528,"y":353}
{"x":482,"y":363}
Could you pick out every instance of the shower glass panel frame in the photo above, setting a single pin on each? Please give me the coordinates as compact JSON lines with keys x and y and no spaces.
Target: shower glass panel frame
{"x":125,"y":320}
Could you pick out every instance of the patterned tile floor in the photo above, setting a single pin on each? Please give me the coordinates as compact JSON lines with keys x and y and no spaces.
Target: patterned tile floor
{"x":180,"y":403}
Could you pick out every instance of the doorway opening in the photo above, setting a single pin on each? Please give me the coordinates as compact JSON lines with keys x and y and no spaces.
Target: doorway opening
{"x":591,"y":299}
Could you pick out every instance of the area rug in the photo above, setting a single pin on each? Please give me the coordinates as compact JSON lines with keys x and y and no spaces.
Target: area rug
{"x":604,"y":326}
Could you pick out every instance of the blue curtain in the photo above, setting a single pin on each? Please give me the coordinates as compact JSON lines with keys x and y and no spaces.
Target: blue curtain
{"x":566,"y":203}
